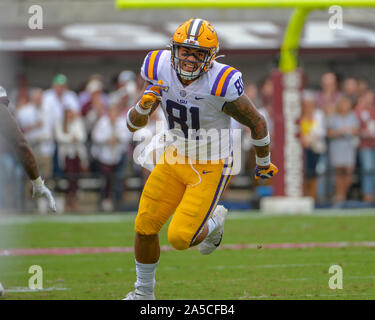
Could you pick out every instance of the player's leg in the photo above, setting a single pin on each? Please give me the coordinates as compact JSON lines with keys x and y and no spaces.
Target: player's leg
{"x":160,"y":197}
{"x":195,"y":218}
{"x":212,"y":232}
{"x":215,"y":231}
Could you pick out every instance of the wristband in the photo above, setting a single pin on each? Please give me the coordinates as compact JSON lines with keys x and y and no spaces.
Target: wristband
{"x":141,"y":110}
{"x":264,"y":162}
{"x":130,"y":124}
{"x":261,"y":142}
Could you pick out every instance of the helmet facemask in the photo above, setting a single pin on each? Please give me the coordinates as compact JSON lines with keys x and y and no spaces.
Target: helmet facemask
{"x":204,"y":64}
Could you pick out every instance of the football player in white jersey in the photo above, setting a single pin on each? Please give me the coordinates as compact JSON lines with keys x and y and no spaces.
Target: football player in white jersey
{"x":13,"y":137}
{"x":197,"y":94}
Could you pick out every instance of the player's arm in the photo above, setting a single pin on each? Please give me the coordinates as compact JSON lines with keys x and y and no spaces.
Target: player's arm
{"x":14,"y":137}
{"x":11,"y":132}
{"x":244,"y":111}
{"x":138,"y":115}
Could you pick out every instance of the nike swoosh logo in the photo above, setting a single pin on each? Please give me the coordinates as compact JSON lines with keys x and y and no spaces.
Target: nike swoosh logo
{"x":218,"y":244}
{"x":204,"y":172}
{"x":198,"y":98}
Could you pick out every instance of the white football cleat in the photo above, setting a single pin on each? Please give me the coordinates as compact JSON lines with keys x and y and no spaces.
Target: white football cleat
{"x":138,"y":295}
{"x":213,"y":240}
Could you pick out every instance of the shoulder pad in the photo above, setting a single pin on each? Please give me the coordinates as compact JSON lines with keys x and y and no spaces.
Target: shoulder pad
{"x":222,"y":81}
{"x":150,"y":65}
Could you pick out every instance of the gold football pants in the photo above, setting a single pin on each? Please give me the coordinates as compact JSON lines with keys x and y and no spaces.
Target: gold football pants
{"x":190,"y":191}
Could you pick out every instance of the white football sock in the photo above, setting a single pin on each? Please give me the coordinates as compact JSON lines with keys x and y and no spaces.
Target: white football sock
{"x":145,"y":277}
{"x":211,"y":224}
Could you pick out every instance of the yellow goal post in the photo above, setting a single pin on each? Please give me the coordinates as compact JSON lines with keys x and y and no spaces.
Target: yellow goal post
{"x":289,"y":47}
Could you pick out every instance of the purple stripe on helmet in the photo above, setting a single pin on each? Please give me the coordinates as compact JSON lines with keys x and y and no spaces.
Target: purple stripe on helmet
{"x":155,"y":71}
{"x":226,"y":83}
{"x":216,"y":83}
{"x":147,"y":64}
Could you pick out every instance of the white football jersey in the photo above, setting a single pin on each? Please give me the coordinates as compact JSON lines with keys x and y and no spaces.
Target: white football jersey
{"x":195,"y":112}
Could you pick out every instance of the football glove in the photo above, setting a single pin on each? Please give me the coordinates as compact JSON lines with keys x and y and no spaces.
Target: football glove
{"x":152,"y":95}
{"x":40,"y":190}
{"x":266,"y":173}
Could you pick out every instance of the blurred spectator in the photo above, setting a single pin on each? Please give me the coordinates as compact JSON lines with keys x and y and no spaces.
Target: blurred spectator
{"x":313,"y":141}
{"x":19,"y":96}
{"x":96,"y":105}
{"x":34,"y":123}
{"x":126,"y":92}
{"x":343,"y":127}
{"x":92,"y":111}
{"x":326,"y":100}
{"x":362,"y":86}
{"x":262,"y":102}
{"x":111,"y":139}
{"x":59,"y":98}
{"x":266,"y":94}
{"x":252,"y":92}
{"x":365,"y":111}
{"x":72,"y":153}
{"x":55,"y":101}
{"x":84,"y":95}
{"x":350,"y":88}
{"x":329,"y":95}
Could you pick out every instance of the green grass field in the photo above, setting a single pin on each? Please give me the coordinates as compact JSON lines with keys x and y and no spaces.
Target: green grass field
{"x":225,"y":274}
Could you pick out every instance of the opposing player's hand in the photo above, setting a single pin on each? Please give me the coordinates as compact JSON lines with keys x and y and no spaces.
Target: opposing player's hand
{"x":266,"y":173}
{"x":152,"y":95}
{"x":40,"y":190}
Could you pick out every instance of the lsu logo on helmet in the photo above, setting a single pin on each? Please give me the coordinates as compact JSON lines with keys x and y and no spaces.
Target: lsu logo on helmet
{"x":198,"y":34}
